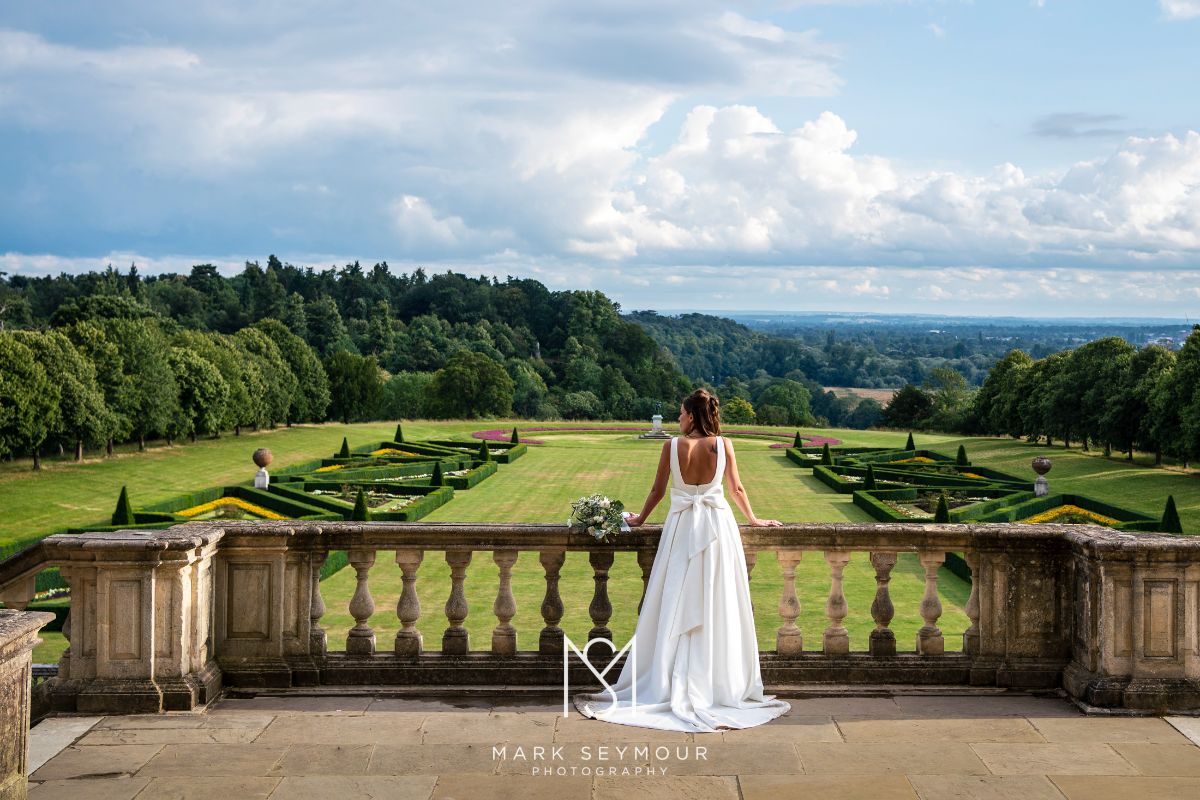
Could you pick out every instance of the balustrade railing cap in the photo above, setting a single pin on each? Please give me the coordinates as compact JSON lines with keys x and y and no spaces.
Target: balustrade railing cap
{"x":17,"y":624}
{"x":178,"y":537}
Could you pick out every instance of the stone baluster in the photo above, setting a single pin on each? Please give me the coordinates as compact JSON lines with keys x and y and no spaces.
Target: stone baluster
{"x":455,"y":640}
{"x":318,"y":640}
{"x":929,"y":637}
{"x":551,"y":640}
{"x":409,"y":641}
{"x":504,"y":635}
{"x":883,"y":639}
{"x":751,"y":560}
{"x":645,"y":559}
{"x":971,"y":634}
{"x":788,"y":639}
{"x":600,"y":609}
{"x":837,"y":638}
{"x":361,"y":639}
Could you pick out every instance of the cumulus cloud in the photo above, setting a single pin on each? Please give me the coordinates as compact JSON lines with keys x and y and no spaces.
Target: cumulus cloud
{"x":1075,"y":125}
{"x":1180,"y":9}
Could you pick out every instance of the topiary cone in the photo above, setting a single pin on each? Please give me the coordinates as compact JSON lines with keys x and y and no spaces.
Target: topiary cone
{"x":345,"y":451}
{"x":399,"y":433}
{"x":438,"y":479}
{"x":962,"y":456}
{"x":1170,"y":517}
{"x":123,"y":515}
{"x":909,"y":445}
{"x":361,"y":512}
{"x":826,"y":456}
{"x":484,"y":453}
{"x":515,"y":439}
{"x":869,"y":481}
{"x":943,"y":510}
{"x":797,"y":442}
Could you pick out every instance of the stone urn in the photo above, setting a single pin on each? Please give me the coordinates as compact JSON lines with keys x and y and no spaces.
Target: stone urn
{"x":262,"y":457}
{"x":1041,"y":487}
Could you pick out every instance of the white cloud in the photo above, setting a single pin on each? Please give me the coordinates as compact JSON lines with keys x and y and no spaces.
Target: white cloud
{"x":937,"y":30}
{"x":1180,"y":9}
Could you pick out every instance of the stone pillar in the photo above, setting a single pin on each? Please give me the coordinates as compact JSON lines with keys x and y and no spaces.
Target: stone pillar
{"x":140,"y":622}
{"x":18,"y":637}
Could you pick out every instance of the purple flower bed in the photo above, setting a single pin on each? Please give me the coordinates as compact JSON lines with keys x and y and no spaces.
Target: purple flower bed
{"x":505,"y":434}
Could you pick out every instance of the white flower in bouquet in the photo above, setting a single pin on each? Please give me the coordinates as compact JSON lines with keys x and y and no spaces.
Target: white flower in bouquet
{"x":600,"y":516}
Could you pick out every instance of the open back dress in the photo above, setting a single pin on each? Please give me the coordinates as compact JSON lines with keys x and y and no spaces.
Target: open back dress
{"x":697,"y":655}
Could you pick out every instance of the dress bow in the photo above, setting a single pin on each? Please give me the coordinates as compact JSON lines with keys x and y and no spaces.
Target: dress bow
{"x":702,"y":532}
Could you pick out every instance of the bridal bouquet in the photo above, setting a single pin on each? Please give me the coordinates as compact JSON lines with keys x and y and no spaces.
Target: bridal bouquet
{"x":599,"y":516}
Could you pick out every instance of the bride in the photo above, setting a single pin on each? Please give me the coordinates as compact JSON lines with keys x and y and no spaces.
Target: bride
{"x":697,"y":655}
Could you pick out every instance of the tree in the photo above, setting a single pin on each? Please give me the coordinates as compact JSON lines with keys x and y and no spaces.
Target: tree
{"x":961,"y":459}
{"x":117,"y":387}
{"x":471,"y":385}
{"x":1170,"y":518}
{"x":406,"y":396}
{"x":279,"y":381}
{"x":865,"y":415}
{"x":438,"y":478}
{"x":515,"y":439}
{"x":399,"y":433}
{"x":123,"y":514}
{"x":948,"y":390}
{"x":792,"y":397}
{"x":909,"y":407}
{"x":1100,"y":370}
{"x":943,"y":509}
{"x":154,"y":397}
{"x":28,"y":399}
{"x":82,"y":416}
{"x":355,"y":386}
{"x":995,"y":407}
{"x":242,"y":377}
{"x":869,"y":482}
{"x":344,"y":450}
{"x":738,"y":411}
{"x":826,"y":456}
{"x":325,"y":328}
{"x":203,"y":394}
{"x":361,"y":513}
{"x":485,"y":454}
{"x":529,"y":388}
{"x":1152,"y":365}
{"x":310,"y":400}
{"x":910,"y":444}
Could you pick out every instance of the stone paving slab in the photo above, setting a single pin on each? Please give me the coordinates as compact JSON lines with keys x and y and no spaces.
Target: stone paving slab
{"x":1188,"y":726}
{"x":1109,"y":729}
{"x":785,"y":729}
{"x":350,"y":787}
{"x":826,"y":787}
{"x":1053,"y":759}
{"x":431,"y":759}
{"x":334,"y":704}
{"x":325,"y":759}
{"x":171,"y":736}
{"x":96,"y":762}
{"x":1167,"y":760}
{"x":85,"y":789}
{"x":1093,"y":787}
{"x":299,"y":729}
{"x":947,"y":758}
{"x":50,"y":736}
{"x":220,"y":760}
{"x":687,"y":788}
{"x":947,"y":706}
{"x":468,"y":726}
{"x":208,"y":788}
{"x":954,"y":729}
{"x":984,"y":787}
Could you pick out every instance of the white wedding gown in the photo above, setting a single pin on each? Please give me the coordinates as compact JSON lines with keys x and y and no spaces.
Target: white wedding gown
{"x":697,"y":656}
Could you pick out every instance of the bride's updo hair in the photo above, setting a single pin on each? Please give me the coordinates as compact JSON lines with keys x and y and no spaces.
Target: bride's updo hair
{"x":705,"y":409}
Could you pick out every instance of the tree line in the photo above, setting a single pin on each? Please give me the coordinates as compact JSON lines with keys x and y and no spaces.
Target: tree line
{"x":1105,"y":393}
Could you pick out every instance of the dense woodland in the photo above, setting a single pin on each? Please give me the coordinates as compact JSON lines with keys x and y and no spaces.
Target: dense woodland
{"x":92,"y":359}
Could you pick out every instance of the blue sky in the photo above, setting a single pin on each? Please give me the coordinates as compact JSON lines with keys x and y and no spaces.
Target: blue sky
{"x":1012,"y":157}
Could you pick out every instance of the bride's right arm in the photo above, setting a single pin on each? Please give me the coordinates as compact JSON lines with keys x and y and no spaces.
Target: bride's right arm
{"x":658,"y":490}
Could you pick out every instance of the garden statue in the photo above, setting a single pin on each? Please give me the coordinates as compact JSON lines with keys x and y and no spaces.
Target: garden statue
{"x":1041,"y":487}
{"x":656,"y":431}
{"x":262,"y":457}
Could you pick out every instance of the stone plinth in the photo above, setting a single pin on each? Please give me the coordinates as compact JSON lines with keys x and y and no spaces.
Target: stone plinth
{"x":18,"y":637}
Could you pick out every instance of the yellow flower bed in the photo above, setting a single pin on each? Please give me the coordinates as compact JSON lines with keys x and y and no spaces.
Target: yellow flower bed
{"x":391,"y":451}
{"x":972,"y":475}
{"x":330,"y":468}
{"x":915,"y":460}
{"x":1064,"y":510}
{"x":237,"y":502}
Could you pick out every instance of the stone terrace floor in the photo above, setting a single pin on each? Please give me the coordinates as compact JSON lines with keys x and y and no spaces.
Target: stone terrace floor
{"x":349,"y":747}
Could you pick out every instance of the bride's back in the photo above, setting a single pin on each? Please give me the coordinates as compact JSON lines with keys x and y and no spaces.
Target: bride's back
{"x":697,"y":459}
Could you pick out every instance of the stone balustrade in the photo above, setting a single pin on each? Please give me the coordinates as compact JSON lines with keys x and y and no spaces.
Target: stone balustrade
{"x":18,"y":637}
{"x":160,"y":618}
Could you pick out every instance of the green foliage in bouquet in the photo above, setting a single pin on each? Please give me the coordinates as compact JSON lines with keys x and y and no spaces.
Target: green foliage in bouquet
{"x":598,"y":516}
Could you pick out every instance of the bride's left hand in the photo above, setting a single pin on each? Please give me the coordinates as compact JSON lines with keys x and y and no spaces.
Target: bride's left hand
{"x":633,"y":520}
{"x":766,"y":523}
